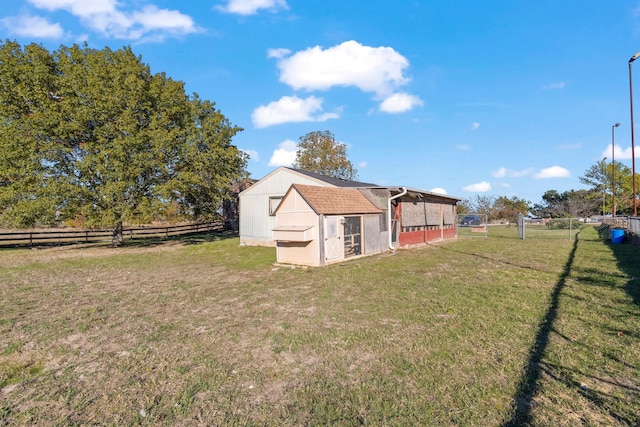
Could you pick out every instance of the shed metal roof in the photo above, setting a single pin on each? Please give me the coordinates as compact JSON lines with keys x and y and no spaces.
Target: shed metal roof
{"x":416,"y":192}
{"x":338,"y":182}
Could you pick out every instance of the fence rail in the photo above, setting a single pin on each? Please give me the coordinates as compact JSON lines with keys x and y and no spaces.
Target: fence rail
{"x":60,"y":237}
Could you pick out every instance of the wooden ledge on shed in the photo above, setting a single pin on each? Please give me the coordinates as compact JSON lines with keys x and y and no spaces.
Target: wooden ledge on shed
{"x":293,"y":233}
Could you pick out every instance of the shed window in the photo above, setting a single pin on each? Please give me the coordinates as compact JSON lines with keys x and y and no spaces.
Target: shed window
{"x":274,"y":202}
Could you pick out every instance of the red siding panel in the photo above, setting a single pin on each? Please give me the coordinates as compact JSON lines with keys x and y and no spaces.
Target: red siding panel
{"x":411,"y":238}
{"x":417,"y":237}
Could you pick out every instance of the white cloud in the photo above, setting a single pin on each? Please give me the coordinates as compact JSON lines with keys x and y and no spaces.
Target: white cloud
{"x":285,"y":154}
{"x":152,"y":18}
{"x":103,"y":16}
{"x":480,"y":187}
{"x":33,"y":26}
{"x":253,"y":154}
{"x":439,"y":190}
{"x":620,"y":153}
{"x":399,"y":103}
{"x":557,"y":85}
{"x":475,"y":126}
{"x":362,"y":165}
{"x":504,"y":173}
{"x":371,"y":69}
{"x":500,"y":173}
{"x":278,"y":53}
{"x":77,"y":7}
{"x":291,"y":109}
{"x":251,"y":7}
{"x":553,"y":172}
{"x":375,"y":70}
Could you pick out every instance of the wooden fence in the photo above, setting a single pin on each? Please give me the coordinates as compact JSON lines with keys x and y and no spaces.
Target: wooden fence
{"x":64,"y":237}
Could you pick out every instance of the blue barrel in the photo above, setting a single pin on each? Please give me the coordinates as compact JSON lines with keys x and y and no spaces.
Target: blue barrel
{"x":617,"y":235}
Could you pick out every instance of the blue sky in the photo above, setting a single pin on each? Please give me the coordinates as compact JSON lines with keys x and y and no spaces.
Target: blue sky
{"x":501,"y":97}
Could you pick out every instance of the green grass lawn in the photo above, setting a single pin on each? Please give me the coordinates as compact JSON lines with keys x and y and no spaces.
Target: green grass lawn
{"x":478,"y":332}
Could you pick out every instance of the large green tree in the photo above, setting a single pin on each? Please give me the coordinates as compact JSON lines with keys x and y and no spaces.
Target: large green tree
{"x":599,"y":177}
{"x":569,"y":204}
{"x":496,"y":208}
{"x":28,"y":80}
{"x":92,"y":134}
{"x":320,"y":152}
{"x":509,"y":208}
{"x":480,"y":203}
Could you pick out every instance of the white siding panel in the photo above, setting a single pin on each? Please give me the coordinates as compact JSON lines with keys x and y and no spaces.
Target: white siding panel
{"x":256,"y":224}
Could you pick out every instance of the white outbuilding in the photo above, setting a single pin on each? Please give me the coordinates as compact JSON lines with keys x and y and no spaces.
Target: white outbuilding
{"x":259,"y":202}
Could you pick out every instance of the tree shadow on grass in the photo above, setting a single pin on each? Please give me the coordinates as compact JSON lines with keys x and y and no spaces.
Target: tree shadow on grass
{"x":628,"y":257}
{"x":529,"y":383}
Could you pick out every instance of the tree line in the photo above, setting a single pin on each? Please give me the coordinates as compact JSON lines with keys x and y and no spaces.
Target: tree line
{"x":93,"y":136}
{"x":609,"y":192}
{"x":609,"y":186}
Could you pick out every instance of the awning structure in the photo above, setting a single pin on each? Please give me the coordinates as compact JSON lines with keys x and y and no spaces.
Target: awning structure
{"x":294,"y":233}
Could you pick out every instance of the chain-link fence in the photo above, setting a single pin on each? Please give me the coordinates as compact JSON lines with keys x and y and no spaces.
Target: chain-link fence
{"x":549,"y":228}
{"x":633,"y":229}
{"x":472,"y":225}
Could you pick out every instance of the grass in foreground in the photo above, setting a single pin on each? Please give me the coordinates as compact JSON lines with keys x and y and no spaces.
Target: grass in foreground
{"x":493,"y":331}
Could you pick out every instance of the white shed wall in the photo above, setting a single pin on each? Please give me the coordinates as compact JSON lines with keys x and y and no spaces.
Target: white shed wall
{"x":297,"y":212}
{"x":256,"y":224}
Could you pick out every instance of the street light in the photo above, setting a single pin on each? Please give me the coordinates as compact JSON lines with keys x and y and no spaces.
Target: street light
{"x":613,"y":171}
{"x":604,"y":163}
{"x":633,"y":152}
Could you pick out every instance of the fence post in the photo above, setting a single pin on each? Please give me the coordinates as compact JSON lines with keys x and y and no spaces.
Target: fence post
{"x":570,"y":227}
{"x":521,"y":232}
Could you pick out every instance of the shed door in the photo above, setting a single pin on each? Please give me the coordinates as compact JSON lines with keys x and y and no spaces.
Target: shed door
{"x":332,"y":244}
{"x":352,"y":236}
